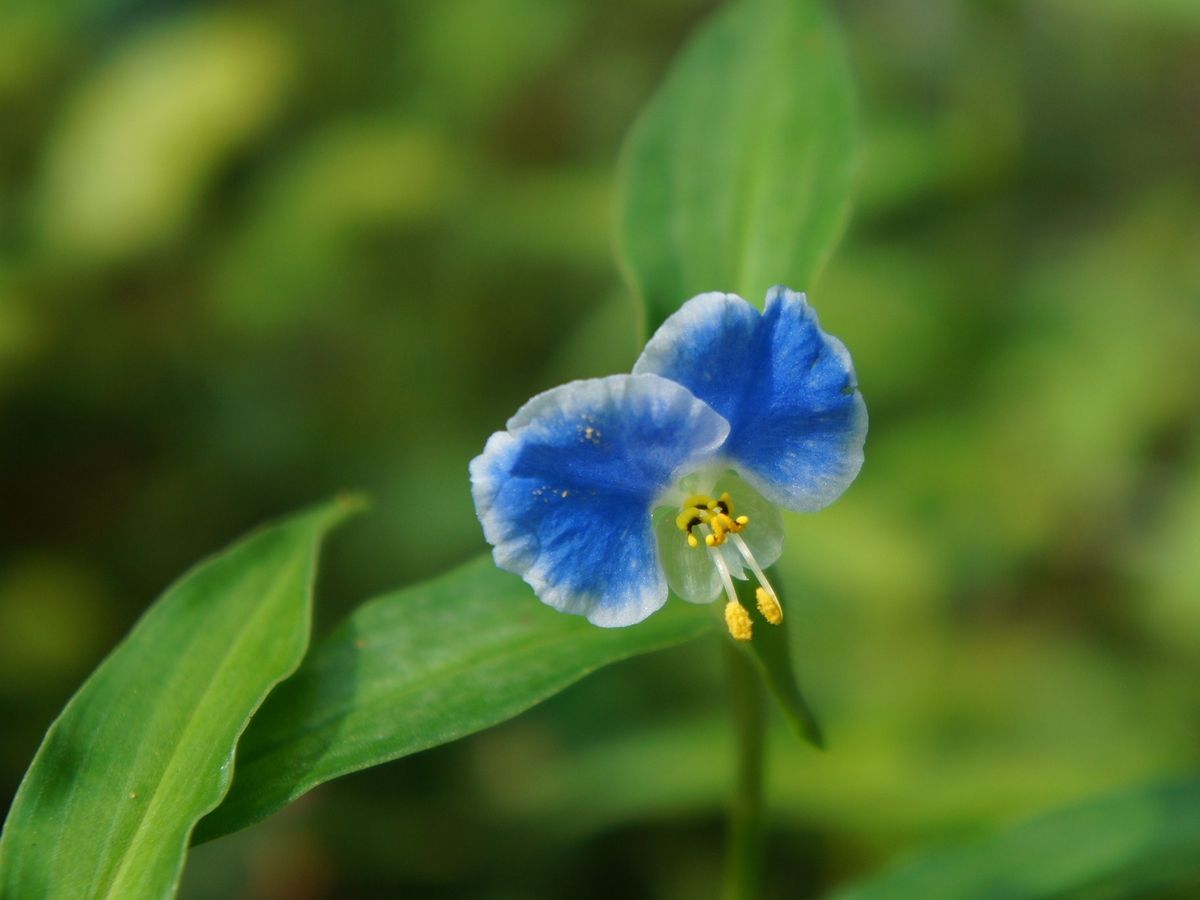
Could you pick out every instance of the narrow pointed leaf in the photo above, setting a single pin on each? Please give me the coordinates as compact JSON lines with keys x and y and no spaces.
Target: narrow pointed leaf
{"x":771,"y":654}
{"x":737,"y":176}
{"x":144,"y":749}
{"x":418,"y":668}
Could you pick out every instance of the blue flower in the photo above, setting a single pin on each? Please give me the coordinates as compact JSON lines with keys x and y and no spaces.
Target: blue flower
{"x":604,"y":493}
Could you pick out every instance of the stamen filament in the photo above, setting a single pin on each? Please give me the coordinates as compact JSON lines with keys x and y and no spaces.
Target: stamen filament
{"x":768,"y":600}
{"x":723,"y":570}
{"x":737,"y":620}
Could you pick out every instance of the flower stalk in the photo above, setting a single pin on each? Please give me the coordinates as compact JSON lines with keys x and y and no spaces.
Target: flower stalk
{"x":745,"y":848}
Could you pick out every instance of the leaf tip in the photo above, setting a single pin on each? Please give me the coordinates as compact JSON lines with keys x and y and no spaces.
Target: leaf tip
{"x":349,"y":502}
{"x":344,"y":505}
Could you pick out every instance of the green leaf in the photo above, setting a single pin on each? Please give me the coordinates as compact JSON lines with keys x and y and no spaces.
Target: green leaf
{"x":770,"y":651}
{"x":737,"y":176}
{"x":418,"y":668}
{"x":144,"y":749}
{"x":1139,"y":843}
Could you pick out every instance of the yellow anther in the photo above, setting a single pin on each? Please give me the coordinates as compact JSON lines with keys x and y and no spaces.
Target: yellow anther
{"x":691,"y":516}
{"x":701,"y":509}
{"x":768,"y":605}
{"x":737,"y":620}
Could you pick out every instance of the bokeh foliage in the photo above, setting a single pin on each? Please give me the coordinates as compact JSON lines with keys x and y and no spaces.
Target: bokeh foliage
{"x":251,"y":256}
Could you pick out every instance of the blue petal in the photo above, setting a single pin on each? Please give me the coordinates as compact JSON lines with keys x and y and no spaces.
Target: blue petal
{"x":797,"y":420}
{"x":565,"y":494}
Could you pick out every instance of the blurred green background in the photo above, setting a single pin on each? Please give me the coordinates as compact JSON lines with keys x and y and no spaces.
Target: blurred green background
{"x":251,"y":254}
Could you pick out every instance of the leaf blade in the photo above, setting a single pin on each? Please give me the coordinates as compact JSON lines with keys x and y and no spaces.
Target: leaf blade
{"x":145,"y":746}
{"x":771,"y":654}
{"x":1135,"y":843}
{"x":737,"y":175}
{"x":417,"y":668}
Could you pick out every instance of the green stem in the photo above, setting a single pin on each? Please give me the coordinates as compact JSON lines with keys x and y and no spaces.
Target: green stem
{"x":744,"y":850}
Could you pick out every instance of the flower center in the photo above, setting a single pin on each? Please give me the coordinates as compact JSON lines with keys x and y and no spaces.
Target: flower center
{"x":713,"y":520}
{"x":702,"y":510}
